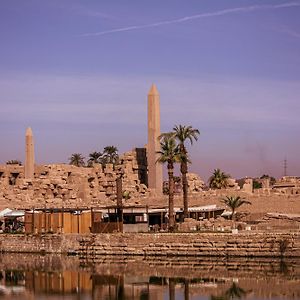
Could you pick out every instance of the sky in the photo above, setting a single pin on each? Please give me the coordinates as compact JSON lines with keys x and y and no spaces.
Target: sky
{"x":78,"y":73}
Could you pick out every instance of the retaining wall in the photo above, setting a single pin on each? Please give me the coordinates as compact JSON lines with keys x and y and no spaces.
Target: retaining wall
{"x":258,"y":244}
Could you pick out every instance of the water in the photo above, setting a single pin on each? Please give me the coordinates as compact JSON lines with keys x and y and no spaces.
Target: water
{"x":59,"y":277}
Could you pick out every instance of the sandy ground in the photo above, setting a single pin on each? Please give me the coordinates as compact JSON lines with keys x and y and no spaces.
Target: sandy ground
{"x":261,"y":204}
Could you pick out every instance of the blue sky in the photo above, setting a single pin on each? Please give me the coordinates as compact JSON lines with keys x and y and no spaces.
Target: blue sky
{"x":78,"y":72}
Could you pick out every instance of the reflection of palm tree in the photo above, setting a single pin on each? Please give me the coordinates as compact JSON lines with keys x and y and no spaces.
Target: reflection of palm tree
{"x":186,"y":289}
{"x":283,"y":267}
{"x":234,"y":292}
{"x":144,"y":294}
{"x":218,"y":298}
{"x":171,"y":289}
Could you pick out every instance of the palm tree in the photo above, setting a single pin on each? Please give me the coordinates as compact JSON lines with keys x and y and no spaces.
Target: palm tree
{"x":169,"y":154}
{"x":218,"y":180}
{"x":234,"y":202}
{"x":182,"y":134}
{"x":14,"y":162}
{"x":110,"y":155}
{"x":94,"y":158}
{"x":77,"y":160}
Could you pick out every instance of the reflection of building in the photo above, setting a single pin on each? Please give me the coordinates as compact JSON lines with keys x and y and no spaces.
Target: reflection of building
{"x":75,"y":283}
{"x":125,"y":287}
{"x":66,"y":282}
{"x":31,"y":277}
{"x":12,"y":282}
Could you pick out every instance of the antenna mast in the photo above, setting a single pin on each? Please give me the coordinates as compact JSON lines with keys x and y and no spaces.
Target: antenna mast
{"x":285,"y":167}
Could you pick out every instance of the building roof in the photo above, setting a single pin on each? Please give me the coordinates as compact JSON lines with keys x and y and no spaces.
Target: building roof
{"x":133,"y":209}
{"x":4,"y":211}
{"x":15,"y":213}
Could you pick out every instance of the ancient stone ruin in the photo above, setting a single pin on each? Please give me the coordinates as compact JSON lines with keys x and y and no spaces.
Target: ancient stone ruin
{"x":71,"y":186}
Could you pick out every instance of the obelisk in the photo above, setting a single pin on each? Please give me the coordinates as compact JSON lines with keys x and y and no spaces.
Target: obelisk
{"x":29,"y":158}
{"x":155,"y":177}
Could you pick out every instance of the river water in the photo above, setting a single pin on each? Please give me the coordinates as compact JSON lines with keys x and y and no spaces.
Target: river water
{"x":27,"y":276}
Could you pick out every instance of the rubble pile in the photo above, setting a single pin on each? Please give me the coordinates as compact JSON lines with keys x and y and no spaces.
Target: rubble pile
{"x":195,"y":183}
{"x":70,"y":186}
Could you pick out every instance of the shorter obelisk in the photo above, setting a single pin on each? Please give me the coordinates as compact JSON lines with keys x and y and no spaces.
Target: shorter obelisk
{"x":155,"y":177}
{"x":29,"y":158}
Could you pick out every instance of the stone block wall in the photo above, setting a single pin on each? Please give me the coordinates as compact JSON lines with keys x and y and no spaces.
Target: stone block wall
{"x":70,"y":186}
{"x":22,"y":243}
{"x":91,"y":246}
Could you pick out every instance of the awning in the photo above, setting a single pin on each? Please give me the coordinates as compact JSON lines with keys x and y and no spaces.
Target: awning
{"x":14,"y":214}
{"x":4,"y":211}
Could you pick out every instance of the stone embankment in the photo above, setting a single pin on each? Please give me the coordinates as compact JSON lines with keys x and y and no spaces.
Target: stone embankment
{"x":93,"y":246}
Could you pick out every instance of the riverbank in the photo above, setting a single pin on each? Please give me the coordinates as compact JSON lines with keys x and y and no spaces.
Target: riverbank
{"x":93,"y":246}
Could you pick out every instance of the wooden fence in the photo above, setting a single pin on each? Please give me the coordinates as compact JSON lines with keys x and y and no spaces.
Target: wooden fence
{"x":57,"y":222}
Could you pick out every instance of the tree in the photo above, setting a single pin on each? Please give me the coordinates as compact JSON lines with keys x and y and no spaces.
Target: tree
{"x":110,"y":155}
{"x":77,"y":160}
{"x":234,"y":202}
{"x":272,"y":179}
{"x":94,"y":158}
{"x":126,"y":195}
{"x":218,"y":180}
{"x":182,"y":134}
{"x":169,"y":154}
{"x":14,"y":162}
{"x":256,"y":184}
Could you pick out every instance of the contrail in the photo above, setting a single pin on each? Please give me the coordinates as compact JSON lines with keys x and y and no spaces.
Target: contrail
{"x":291,"y":33}
{"x":198,"y":16}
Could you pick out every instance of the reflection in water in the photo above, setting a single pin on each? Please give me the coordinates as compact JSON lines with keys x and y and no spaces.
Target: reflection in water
{"x":234,"y":292}
{"x":35,"y":277}
{"x":283,"y":267}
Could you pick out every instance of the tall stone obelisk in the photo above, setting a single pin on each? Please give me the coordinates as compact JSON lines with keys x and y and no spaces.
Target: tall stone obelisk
{"x":155,"y":177}
{"x":29,"y":158}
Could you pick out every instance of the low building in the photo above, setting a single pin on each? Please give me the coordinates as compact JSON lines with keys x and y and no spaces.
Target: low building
{"x":144,"y":219}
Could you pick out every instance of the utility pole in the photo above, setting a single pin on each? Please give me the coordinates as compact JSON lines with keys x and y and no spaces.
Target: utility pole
{"x":119,"y":188}
{"x":285,"y":167}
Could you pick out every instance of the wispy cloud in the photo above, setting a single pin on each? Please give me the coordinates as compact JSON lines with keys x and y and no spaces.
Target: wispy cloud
{"x":231,"y":113}
{"x":197,"y":16}
{"x":92,"y":13}
{"x":90,"y":99}
{"x":290,"y":32}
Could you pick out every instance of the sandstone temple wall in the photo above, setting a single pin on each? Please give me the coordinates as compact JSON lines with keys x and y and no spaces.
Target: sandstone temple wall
{"x":93,"y":246}
{"x":62,"y":185}
{"x":70,"y":186}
